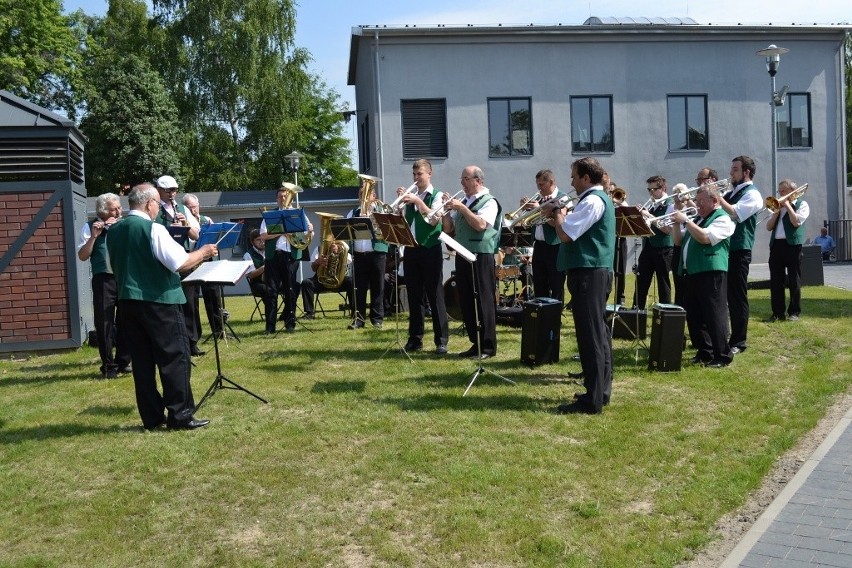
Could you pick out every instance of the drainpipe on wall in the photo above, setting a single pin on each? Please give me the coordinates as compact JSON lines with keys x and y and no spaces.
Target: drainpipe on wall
{"x":380,"y":167}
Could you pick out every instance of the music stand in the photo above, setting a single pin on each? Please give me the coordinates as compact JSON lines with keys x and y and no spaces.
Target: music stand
{"x":395,"y":230}
{"x":224,"y":235}
{"x":283,"y":221}
{"x":225,"y":273}
{"x":179,"y":233}
{"x":629,"y":222}
{"x":471,"y":258}
{"x":352,"y":229}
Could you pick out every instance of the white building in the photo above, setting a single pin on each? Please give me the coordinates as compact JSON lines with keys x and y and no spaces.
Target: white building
{"x":645,"y":97}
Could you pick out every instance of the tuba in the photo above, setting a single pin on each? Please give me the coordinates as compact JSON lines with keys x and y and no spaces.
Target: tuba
{"x":334,"y":272}
{"x":299,"y":241}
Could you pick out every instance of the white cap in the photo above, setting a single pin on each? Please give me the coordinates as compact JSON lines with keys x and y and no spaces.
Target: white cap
{"x":166,"y":182}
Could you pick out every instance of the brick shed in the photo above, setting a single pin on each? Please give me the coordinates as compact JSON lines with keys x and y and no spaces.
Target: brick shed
{"x":42,"y":202}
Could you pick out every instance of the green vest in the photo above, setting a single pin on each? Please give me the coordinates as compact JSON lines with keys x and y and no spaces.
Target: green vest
{"x":425,"y":234}
{"x":256,"y":257}
{"x":138,"y":273}
{"x":378,"y":244}
{"x":596,"y":247}
{"x":99,"y":260}
{"x":794,"y":235}
{"x":705,"y":258}
{"x":659,"y":239}
{"x":551,"y":237}
{"x":485,"y":242}
{"x":743,"y":237}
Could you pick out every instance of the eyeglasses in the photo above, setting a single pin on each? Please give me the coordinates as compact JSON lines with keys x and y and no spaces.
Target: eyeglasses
{"x":467,"y":178}
{"x":654,"y":188}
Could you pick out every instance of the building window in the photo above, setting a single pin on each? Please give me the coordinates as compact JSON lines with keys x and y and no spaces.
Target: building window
{"x":509,"y":127}
{"x":424,"y":128}
{"x":364,"y":138}
{"x":688,"y":122}
{"x":794,"y":121}
{"x":591,"y":124}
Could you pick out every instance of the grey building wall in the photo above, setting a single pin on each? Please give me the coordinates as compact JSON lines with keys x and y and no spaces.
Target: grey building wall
{"x":638,"y":66}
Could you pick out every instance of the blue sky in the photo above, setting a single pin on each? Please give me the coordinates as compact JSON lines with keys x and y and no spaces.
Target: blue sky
{"x":324,"y":26}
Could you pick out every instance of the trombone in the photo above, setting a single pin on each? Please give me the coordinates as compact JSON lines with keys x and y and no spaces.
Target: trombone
{"x":686,"y":194}
{"x":774,"y":204}
{"x":535,"y":216}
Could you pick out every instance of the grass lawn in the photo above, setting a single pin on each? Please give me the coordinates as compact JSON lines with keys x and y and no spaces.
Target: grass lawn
{"x":362,"y":458}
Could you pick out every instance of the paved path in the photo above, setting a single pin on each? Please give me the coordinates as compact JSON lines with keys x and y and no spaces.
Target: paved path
{"x":810,"y":522}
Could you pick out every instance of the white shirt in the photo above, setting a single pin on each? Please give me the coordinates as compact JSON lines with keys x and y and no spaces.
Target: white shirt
{"x":750,"y":203}
{"x":163,"y":246}
{"x":539,"y":229}
{"x":801,"y":214}
{"x":359,"y":245}
{"x":488,"y":212}
{"x":586,"y":213}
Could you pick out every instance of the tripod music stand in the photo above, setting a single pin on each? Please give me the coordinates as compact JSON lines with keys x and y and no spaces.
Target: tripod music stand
{"x":222,"y":272}
{"x":629,"y":222}
{"x":283,"y":222}
{"x":395,"y":230}
{"x":471,"y":258}
{"x":225,"y":236}
{"x":352,"y":229}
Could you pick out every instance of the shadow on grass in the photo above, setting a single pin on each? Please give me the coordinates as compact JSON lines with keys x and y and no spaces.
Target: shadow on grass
{"x":50,"y":374}
{"x":60,"y":431}
{"x":107,"y":410}
{"x":472,"y":401}
{"x":337,"y":387}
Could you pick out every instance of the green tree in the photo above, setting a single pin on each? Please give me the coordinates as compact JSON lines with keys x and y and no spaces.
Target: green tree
{"x":39,"y":53}
{"x":132,"y":125}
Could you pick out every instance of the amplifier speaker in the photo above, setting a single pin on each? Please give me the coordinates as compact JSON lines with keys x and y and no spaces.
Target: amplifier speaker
{"x":542,"y":322}
{"x":667,"y":338}
{"x":812,"y":274}
{"x":628,"y":324}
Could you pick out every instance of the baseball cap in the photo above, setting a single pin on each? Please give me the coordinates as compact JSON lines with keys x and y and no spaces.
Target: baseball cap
{"x":166,"y":182}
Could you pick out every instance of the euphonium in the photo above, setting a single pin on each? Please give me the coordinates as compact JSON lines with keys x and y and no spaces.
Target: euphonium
{"x":534,"y":217}
{"x":775,"y":204}
{"x":333,"y":273}
{"x":298,"y":241}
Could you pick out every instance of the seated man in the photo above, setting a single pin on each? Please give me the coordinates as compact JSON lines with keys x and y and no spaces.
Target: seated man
{"x":312,"y":286}
{"x":826,"y":243}
{"x":255,"y":277}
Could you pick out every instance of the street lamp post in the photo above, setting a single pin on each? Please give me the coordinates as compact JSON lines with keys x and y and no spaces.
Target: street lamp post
{"x":773,"y":55}
{"x":295,"y":159}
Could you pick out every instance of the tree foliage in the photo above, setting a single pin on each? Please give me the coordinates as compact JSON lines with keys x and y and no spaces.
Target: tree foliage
{"x":39,"y":53}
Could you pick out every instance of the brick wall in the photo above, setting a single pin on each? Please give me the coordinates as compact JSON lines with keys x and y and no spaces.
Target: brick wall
{"x":34,"y":303}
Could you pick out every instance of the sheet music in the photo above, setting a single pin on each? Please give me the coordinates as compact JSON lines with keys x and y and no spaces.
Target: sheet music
{"x":220,"y":272}
{"x":456,"y":246}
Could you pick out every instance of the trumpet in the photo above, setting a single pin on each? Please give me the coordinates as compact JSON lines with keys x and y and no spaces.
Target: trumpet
{"x":686,"y":194}
{"x":438,"y":211}
{"x":669,"y":219}
{"x":535,"y":217}
{"x":618,"y":194}
{"x":395,"y":205}
{"x":517,"y":212}
{"x":775,"y":204}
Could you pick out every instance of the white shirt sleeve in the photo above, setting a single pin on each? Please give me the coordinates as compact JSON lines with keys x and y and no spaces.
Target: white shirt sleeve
{"x":166,"y":249}
{"x":749,"y":204}
{"x":581,"y":218}
{"x":85,"y":235}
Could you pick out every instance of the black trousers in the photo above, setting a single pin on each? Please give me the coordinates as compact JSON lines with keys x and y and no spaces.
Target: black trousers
{"x":191,"y":315}
{"x":262,"y":291}
{"x":110,"y":336}
{"x":213,"y":306}
{"x":589,"y":288}
{"x":785,"y":270}
{"x":311,"y":287}
{"x":158,"y":340}
{"x":654,"y":261}
{"x":619,"y":268}
{"x":369,"y":274}
{"x":705,"y":302}
{"x":548,"y":282}
{"x":482,"y":269}
{"x":280,"y":278}
{"x":677,"y":281}
{"x":424,"y":276}
{"x":738,"y":309}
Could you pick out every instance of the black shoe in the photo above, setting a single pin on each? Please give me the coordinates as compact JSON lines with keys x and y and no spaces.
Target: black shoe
{"x":736,"y":350}
{"x":290,"y":328}
{"x":308,"y":316}
{"x":196,"y":352}
{"x":698,"y":360}
{"x":472,"y":352}
{"x":775,"y":318}
{"x":717,"y":364}
{"x":357,"y":324}
{"x":111,"y":374}
{"x":157,"y":425}
{"x":127,"y":369}
{"x":376,"y":324}
{"x":793,"y":317}
{"x":484,"y":356}
{"x":584,"y":398}
{"x":190,"y":424}
{"x":440,"y":350}
{"x":575,"y":375}
{"x":413,"y":346}
{"x":577,"y":408}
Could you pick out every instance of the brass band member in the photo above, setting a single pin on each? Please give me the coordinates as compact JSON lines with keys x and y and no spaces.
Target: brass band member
{"x":214,"y":299}
{"x":475,"y":223}
{"x":424,"y":263}
{"x":785,"y":252}
{"x":256,"y":254}
{"x":587,"y":254}
{"x":703,"y":264}
{"x":369,"y":257}
{"x":548,"y":281}
{"x":92,"y":247}
{"x":312,"y":286}
{"x":173,"y":213}
{"x":282,"y":264}
{"x":656,"y":255}
{"x":742,"y":204}
{"x":619,"y":199}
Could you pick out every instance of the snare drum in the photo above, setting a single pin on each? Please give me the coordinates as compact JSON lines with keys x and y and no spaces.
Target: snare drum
{"x":507,"y":271}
